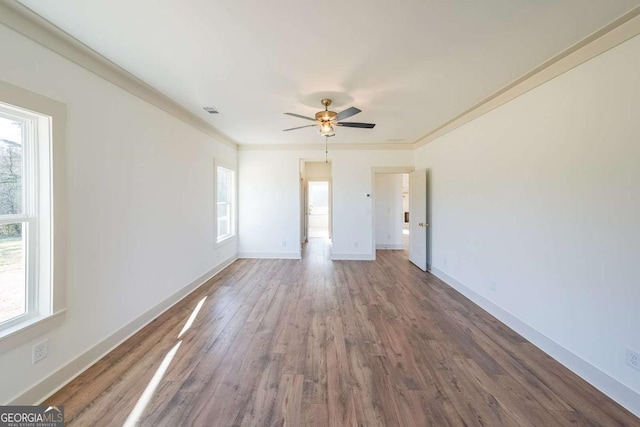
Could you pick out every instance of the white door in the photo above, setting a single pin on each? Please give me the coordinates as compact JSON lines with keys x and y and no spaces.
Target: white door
{"x":418,"y":219}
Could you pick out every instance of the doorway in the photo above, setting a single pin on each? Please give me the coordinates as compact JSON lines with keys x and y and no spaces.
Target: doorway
{"x":318,"y":209}
{"x":315,"y":201}
{"x":389,"y":211}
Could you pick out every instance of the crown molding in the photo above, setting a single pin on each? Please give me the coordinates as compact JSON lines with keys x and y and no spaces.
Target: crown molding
{"x":314,"y":147}
{"x":608,"y":37}
{"x":31,"y":25}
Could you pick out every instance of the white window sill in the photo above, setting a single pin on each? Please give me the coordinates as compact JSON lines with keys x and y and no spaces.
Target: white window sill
{"x":226,"y":240}
{"x":28,"y":330}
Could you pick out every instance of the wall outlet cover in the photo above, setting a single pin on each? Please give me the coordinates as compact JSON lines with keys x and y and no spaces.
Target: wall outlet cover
{"x":40,"y":351}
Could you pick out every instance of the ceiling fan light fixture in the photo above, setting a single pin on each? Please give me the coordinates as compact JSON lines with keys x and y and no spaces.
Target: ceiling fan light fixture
{"x":327,"y":129}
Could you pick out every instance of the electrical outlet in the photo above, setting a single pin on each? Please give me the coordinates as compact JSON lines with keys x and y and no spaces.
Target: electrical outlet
{"x":493,"y":285}
{"x":633,"y":359}
{"x":355,"y":244}
{"x":284,"y":243}
{"x":40,"y":351}
{"x":444,"y":262}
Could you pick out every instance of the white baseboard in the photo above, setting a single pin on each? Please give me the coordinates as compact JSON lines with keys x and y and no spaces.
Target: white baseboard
{"x":352,"y":257}
{"x":54,"y":382}
{"x":594,"y":376}
{"x":389,"y":246}
{"x":270,"y":255}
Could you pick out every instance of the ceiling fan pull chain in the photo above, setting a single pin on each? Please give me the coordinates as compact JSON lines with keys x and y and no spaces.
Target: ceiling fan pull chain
{"x":326,"y":149}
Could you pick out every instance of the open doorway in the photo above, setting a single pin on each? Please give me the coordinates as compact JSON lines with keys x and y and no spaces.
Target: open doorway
{"x":398,"y":199}
{"x":318,"y":209}
{"x":315,"y":201}
{"x":390,"y":211}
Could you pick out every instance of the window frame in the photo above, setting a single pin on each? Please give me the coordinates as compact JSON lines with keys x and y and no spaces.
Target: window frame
{"x":44,"y":202}
{"x":232,"y":203}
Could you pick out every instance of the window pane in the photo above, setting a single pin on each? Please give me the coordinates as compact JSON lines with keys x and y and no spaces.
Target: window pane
{"x":223,"y":227}
{"x":12,"y":272}
{"x":10,"y":166}
{"x":224,"y":186}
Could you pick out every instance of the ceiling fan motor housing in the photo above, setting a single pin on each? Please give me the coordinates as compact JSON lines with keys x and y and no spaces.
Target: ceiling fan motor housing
{"x":326,"y":116}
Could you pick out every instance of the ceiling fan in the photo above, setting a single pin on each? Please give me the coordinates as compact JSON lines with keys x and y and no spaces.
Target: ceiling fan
{"x":328,"y":120}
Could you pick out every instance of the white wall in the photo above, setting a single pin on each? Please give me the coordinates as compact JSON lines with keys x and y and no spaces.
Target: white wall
{"x":542,"y":197}
{"x":389,"y":214}
{"x":270,"y":180}
{"x":140,"y":202}
{"x":269,"y":204}
{"x":317,"y":171}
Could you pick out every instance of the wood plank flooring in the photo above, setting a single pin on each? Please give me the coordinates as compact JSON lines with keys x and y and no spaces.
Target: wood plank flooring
{"x":322,"y":343}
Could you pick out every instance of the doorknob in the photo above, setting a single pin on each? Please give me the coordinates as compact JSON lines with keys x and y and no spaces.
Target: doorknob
{"x":421,"y":224}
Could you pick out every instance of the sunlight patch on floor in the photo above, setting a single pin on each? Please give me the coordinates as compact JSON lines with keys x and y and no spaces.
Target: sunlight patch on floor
{"x":145,"y":398}
{"x":187,"y":325}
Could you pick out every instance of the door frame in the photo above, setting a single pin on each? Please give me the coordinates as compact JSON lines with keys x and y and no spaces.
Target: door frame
{"x":382,"y":170}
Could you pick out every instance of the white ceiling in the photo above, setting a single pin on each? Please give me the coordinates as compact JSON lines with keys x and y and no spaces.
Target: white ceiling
{"x":410,"y":65}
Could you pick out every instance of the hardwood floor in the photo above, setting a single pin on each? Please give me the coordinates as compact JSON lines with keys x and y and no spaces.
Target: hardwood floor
{"x":342,"y":343}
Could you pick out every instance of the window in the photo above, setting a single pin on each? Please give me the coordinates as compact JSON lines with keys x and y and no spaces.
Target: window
{"x":14,"y":219}
{"x":225,"y":203}
{"x":25,"y":216}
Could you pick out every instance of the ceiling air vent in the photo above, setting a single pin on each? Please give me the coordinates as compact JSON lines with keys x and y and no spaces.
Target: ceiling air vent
{"x":211,"y":110}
